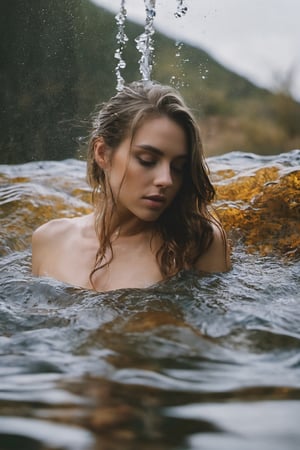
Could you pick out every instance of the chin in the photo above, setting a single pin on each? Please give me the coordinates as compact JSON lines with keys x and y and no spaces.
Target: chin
{"x":150,"y":217}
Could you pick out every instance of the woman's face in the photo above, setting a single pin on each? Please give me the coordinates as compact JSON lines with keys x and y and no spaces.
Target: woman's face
{"x":146,"y":174}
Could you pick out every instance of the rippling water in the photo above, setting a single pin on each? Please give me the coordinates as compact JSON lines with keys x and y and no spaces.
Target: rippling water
{"x":194,"y":363}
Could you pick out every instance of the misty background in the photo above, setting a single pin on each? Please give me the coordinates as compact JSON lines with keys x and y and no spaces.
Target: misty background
{"x":57,"y":62}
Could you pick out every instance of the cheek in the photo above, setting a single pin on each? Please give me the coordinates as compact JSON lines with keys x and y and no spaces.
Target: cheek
{"x":128,"y":181}
{"x":178,"y":187}
{"x":135,"y":175}
{"x":178,"y":183}
{"x":117,"y":175}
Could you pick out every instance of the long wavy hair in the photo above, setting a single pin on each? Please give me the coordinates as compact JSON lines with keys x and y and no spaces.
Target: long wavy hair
{"x":185,"y":226}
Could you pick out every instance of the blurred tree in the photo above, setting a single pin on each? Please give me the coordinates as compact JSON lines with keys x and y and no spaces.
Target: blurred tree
{"x":38,"y":76}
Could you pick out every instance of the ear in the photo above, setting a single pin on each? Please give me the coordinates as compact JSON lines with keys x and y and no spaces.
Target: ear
{"x":101,"y":153}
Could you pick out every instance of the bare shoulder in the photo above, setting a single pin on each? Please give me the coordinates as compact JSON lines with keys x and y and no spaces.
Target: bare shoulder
{"x":49,"y":241}
{"x":217,"y":256}
{"x":51,"y":228}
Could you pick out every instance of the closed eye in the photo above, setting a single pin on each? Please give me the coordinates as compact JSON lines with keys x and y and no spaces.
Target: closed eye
{"x":146,"y":162}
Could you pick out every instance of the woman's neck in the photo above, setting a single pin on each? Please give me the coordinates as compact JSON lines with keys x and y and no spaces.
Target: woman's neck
{"x":128,"y":225}
{"x":131,"y":227}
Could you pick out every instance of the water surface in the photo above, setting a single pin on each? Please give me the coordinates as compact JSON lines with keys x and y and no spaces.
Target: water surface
{"x":208,"y":362}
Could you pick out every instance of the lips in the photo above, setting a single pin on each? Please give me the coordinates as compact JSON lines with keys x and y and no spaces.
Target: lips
{"x":155,"y":201}
{"x":156,"y":198}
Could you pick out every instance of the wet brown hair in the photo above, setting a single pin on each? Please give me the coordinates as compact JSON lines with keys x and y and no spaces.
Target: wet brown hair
{"x":185,"y":226}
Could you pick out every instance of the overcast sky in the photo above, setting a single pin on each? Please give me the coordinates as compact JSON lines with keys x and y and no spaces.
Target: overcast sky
{"x":259,"y":39}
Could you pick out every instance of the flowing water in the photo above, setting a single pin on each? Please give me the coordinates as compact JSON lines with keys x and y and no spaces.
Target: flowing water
{"x":144,"y":42}
{"x":210,"y":362}
{"x":121,"y":39}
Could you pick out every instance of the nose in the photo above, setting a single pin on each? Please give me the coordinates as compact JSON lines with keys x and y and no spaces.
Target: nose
{"x":163,"y":176}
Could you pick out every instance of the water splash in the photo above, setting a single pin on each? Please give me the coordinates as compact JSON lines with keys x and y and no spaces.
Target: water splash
{"x":178,"y":79}
{"x":121,"y":41}
{"x":144,"y":42}
{"x":181,"y":8}
{"x":203,"y":70}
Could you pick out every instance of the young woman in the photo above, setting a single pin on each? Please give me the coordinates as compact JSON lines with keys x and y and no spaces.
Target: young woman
{"x":151,"y":195}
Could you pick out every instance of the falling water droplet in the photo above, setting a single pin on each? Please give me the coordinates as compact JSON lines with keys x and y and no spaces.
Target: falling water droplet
{"x":178,"y":46}
{"x":121,"y":41}
{"x":144,"y":42}
{"x":203,"y":70}
{"x":181,"y":9}
{"x":179,"y":80}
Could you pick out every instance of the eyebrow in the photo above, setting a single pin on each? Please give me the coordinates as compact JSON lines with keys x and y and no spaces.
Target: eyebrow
{"x":157,"y":151}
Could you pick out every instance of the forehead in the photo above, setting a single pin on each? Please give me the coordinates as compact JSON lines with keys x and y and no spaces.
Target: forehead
{"x":162,"y":133}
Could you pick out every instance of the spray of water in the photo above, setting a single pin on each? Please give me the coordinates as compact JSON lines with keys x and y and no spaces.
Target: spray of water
{"x":179,"y":79}
{"x":181,"y":8}
{"x":144,"y":42}
{"x":121,"y":41}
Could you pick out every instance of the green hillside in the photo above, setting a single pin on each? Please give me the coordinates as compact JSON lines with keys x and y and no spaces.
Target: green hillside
{"x":57,"y":63}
